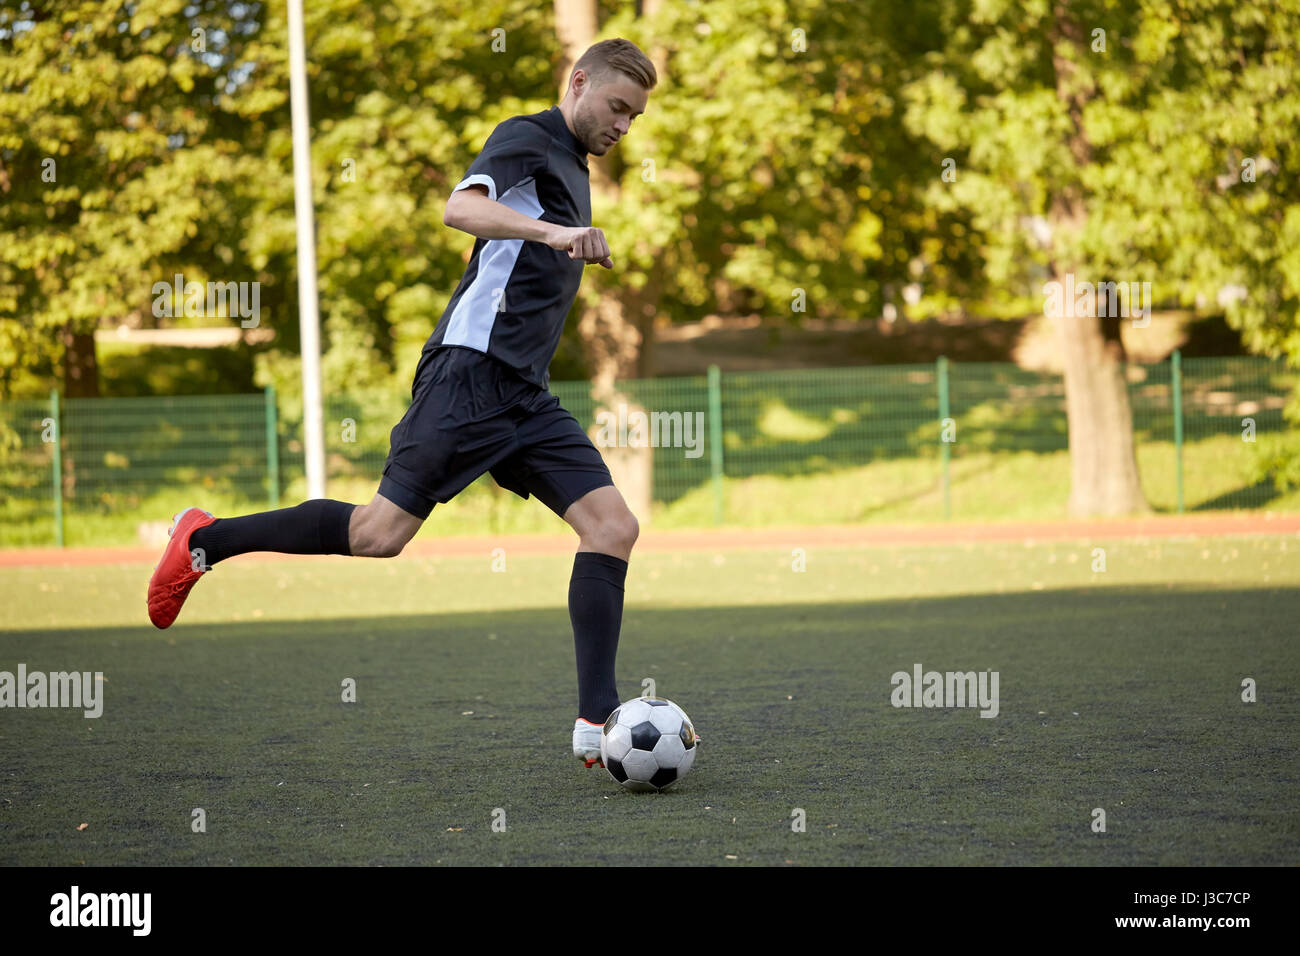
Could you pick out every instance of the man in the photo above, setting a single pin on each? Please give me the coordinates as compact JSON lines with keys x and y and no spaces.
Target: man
{"x":480,"y":401}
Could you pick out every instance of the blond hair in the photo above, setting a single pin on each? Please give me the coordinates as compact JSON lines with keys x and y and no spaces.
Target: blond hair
{"x":616,"y":56}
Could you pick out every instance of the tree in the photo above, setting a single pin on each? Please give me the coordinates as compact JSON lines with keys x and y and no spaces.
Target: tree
{"x":1005,"y":104}
{"x":111,"y":164}
{"x":1108,"y":128}
{"x":1232,"y":208}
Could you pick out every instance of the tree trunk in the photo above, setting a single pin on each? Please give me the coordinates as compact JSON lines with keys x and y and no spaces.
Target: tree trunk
{"x":1103,"y":464}
{"x":575,"y":29}
{"x":612,"y":345}
{"x":80,"y":370}
{"x":80,"y":380}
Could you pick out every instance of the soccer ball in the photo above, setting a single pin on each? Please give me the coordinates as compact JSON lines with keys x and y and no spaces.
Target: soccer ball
{"x":648,"y":744}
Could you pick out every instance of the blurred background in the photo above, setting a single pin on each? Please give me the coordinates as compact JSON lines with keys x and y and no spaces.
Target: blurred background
{"x":836,"y":231}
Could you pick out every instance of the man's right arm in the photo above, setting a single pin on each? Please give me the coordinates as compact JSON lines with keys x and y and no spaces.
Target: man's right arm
{"x":470,"y":210}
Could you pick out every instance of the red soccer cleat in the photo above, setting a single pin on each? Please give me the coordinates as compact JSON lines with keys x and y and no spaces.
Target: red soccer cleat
{"x":178,"y":569}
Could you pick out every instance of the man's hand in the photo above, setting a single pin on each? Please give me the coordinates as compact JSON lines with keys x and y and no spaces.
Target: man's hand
{"x":582,"y":242}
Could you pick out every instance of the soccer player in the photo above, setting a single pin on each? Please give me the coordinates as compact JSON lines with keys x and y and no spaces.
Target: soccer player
{"x":480,"y":402}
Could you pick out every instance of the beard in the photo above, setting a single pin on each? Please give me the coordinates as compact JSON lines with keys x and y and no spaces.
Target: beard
{"x":590,"y":133}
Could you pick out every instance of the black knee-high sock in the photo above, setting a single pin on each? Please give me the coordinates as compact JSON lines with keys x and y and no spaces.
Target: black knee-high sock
{"x":319,"y":526}
{"x":596,"y":610}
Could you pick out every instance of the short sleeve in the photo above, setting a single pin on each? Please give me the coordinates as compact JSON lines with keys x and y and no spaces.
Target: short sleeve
{"x":515,"y":152}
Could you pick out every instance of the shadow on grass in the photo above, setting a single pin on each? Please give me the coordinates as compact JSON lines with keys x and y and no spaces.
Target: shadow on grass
{"x":1247,"y":496}
{"x":967,"y":476}
{"x":1144,"y":615}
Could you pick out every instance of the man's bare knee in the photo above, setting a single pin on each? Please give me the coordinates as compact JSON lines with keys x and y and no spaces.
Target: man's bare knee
{"x":377,"y":545}
{"x":375,"y":531}
{"x":381,"y":546}
{"x":629,"y":529}
{"x":388,"y":548}
{"x":614,"y":533}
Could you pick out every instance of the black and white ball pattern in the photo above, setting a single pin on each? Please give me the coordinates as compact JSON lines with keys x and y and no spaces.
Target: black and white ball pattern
{"x":648,"y":744}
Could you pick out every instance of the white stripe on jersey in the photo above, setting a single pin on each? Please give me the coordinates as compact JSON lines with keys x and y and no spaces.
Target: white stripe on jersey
{"x":471,"y":323}
{"x":478,"y":179}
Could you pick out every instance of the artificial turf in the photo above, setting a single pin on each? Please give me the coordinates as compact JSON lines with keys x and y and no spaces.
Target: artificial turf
{"x":1119,"y":689}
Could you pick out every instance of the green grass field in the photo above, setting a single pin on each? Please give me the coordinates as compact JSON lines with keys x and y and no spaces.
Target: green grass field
{"x":1119,"y":690}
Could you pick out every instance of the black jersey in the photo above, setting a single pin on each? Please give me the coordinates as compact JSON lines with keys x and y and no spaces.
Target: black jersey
{"x":515,"y":295}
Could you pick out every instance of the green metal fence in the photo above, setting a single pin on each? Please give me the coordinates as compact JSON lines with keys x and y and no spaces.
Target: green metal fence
{"x":63,"y":459}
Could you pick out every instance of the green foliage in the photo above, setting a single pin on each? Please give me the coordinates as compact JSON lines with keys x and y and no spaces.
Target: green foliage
{"x":115,"y":162}
{"x":745,"y":180}
{"x":1167,"y":127}
{"x":168,"y":125}
{"x":789,"y":145}
{"x":172,"y":370}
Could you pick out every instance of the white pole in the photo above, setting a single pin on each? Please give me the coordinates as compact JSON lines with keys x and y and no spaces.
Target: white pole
{"x":308,"y":313}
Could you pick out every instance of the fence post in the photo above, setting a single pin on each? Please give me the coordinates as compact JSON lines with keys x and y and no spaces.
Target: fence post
{"x":1176,"y":386}
{"x":943,"y":444}
{"x":715,"y":440}
{"x":272,"y":450}
{"x":58,"y":467}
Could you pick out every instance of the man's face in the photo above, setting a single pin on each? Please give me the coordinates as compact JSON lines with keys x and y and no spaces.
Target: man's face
{"x":605,"y":110}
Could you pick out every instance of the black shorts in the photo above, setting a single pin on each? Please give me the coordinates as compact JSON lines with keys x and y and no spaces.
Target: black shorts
{"x":471,"y":414}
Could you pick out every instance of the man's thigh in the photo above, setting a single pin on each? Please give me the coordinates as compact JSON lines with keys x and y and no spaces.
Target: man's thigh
{"x":555,"y":460}
{"x":461,"y":423}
